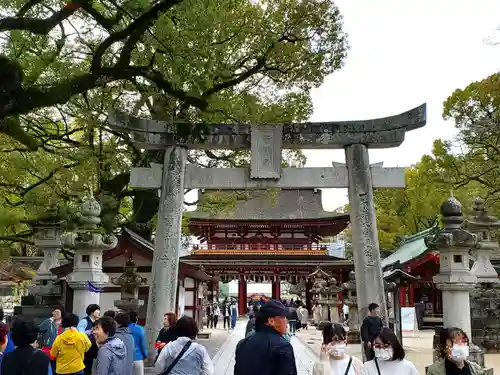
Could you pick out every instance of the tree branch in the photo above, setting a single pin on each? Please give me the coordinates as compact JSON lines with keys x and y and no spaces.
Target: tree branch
{"x":140,"y":26}
{"x":16,"y":239}
{"x":134,"y":32}
{"x":36,"y":25}
{"x":30,"y":98}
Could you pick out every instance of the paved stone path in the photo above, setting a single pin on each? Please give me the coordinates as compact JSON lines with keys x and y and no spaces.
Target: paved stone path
{"x":224,"y":359}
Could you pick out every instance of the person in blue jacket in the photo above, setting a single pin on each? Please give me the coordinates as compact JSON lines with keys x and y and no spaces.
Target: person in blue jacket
{"x":141,"y":350}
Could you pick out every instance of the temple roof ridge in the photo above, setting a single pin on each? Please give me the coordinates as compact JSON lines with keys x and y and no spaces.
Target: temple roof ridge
{"x":410,"y":247}
{"x":416,"y":236}
{"x":286,"y":204}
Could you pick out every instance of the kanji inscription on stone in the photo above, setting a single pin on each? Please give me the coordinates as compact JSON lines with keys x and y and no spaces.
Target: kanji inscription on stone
{"x":266,"y":145}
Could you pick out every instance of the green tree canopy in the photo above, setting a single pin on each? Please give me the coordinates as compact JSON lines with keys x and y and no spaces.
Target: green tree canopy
{"x":476,"y":111}
{"x":63,"y":66}
{"x":403,"y":212}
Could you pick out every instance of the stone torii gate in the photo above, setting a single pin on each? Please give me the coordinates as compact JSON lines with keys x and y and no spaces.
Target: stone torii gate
{"x":265,"y":143}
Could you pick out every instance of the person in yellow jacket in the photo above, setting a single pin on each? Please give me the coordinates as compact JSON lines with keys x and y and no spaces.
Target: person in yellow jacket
{"x":69,"y":347}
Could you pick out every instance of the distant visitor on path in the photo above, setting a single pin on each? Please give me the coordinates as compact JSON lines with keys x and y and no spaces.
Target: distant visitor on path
{"x":304,"y":317}
{"x":389,"y":357}
{"x":371,"y":326}
{"x":454,"y":350}
{"x":234,"y":314}
{"x":333,"y":357}
{"x":216,"y":314}
{"x":226,"y":313}
{"x":184,"y":356}
{"x":267,"y":352}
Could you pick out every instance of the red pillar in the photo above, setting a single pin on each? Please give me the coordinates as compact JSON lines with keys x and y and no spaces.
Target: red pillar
{"x":402,"y":296}
{"x":276,"y":289}
{"x":242,"y":296}
{"x":412,"y":296}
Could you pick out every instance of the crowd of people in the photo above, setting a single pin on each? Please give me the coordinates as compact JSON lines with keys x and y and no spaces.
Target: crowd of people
{"x":114,"y":344}
{"x":266,"y":349}
{"x":226,"y":311}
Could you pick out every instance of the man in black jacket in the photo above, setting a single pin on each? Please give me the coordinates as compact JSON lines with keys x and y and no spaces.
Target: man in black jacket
{"x":371,"y":327}
{"x":25,"y":359}
{"x":266,"y":352}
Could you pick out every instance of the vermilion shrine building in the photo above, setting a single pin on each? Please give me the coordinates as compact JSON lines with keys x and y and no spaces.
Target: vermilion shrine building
{"x":267,"y":236}
{"x":416,"y":259}
{"x":264,"y":237}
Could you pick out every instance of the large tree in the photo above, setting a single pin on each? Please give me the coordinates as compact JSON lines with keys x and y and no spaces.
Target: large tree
{"x":476,"y":112}
{"x":64,"y":65}
{"x":403,"y":212}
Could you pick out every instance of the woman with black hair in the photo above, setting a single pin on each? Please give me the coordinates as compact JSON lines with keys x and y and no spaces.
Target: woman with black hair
{"x":389,"y":356}
{"x":453,"y":353}
{"x":184,"y":356}
{"x":334,"y":358}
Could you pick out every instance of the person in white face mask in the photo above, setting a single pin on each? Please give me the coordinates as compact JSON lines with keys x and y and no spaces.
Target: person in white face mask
{"x":453,"y":353}
{"x":389,"y":357}
{"x":334,"y":359}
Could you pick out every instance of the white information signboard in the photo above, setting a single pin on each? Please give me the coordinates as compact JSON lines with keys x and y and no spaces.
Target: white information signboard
{"x":408,"y":319}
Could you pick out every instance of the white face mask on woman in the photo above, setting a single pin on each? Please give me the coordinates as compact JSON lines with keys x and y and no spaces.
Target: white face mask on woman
{"x":336,"y":350}
{"x":384,"y":354}
{"x":459,"y":352}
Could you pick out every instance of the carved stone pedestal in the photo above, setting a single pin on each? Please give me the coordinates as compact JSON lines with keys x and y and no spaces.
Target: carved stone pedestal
{"x":88,"y":243}
{"x":485,"y":316}
{"x":353,"y":336}
{"x":129,"y":304}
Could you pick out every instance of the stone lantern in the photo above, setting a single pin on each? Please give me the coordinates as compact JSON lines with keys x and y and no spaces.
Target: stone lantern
{"x":353,"y":335}
{"x":485,"y":298}
{"x":129,"y":281}
{"x":47,"y":238}
{"x":455,"y":279}
{"x":325,"y":290}
{"x":482,"y":225}
{"x":88,"y":243}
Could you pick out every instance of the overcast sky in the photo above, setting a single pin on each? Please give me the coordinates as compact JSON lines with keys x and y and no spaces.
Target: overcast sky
{"x":405,"y":53}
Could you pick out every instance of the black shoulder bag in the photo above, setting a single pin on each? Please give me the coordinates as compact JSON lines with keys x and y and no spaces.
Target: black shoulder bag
{"x":177,"y":359}
{"x":349,"y":366}
{"x":378,"y":368}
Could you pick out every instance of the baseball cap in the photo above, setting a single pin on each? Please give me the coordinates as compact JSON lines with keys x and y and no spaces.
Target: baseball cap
{"x":273,"y":308}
